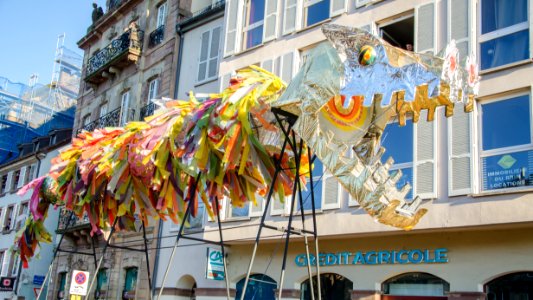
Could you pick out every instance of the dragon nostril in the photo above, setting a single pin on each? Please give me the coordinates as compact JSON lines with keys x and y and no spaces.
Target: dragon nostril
{"x":367,"y":55}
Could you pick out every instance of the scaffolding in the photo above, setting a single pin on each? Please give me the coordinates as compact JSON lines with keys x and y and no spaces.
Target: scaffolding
{"x":31,"y":110}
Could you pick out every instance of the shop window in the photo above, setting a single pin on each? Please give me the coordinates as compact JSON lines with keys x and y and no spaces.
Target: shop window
{"x":506,"y":149}
{"x":398,"y":143}
{"x":504,"y":32}
{"x":208,"y":62}
{"x":102,"y":284}
{"x":254,"y":20}
{"x":415,"y":284}
{"x":333,"y":286}
{"x":130,"y":283}
{"x":260,"y":286}
{"x":511,"y":286}
{"x":400,"y":32}
{"x":316,"y":11}
{"x":62,"y":284}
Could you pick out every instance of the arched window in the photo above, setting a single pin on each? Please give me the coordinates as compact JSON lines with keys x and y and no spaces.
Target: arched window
{"x":260,"y":287}
{"x":415,"y":284}
{"x":333,"y":287}
{"x":511,"y":286}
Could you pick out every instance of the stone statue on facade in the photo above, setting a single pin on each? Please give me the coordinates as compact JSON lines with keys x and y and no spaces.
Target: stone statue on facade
{"x":98,"y":12}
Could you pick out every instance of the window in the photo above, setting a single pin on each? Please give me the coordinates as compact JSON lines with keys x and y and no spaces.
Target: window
{"x":416,"y":284}
{"x":316,"y":11}
{"x":62,"y":284}
{"x":504,"y":32}
{"x":511,"y":286}
{"x":86,"y":120}
{"x":130,"y":283}
{"x":15,"y":180}
{"x":30,"y":170}
{"x":197,"y":223}
{"x":125,"y":108}
{"x":15,"y":264}
{"x":4,"y":183}
{"x":161,"y":15}
{"x":208,"y":62}
{"x":24,"y":212}
{"x":102,"y":284}
{"x":153,"y":87}
{"x":8,"y":221}
{"x":307,"y":199}
{"x":260,"y":286}
{"x":333,"y":286}
{"x":253,"y":31}
{"x":399,"y":32}
{"x":506,"y":148}
{"x":103,"y":109}
{"x":2,"y":257}
{"x":398,"y":143}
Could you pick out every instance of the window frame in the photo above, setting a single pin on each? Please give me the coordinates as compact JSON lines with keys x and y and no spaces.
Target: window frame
{"x":124,"y":111}
{"x":8,"y":220}
{"x":161,"y":16}
{"x":478,"y":179}
{"x":248,"y":27}
{"x":208,"y":58}
{"x":306,"y":5}
{"x":499,"y":33}
{"x":153,"y":89}
{"x":15,"y":180}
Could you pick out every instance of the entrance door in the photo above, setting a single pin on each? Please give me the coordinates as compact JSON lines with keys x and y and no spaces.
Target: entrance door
{"x":416,"y":286}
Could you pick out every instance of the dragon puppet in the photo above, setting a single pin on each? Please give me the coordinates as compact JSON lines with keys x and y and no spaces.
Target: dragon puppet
{"x":227,"y":145}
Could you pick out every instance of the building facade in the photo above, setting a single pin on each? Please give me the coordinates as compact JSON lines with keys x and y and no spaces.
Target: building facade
{"x":34,"y":160}
{"x":472,"y":170}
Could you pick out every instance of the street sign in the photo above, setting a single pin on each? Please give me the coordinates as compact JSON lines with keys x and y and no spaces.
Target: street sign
{"x":36,"y":291}
{"x":215,"y":264}
{"x":38,"y":279}
{"x":79,"y":283}
{"x":6,"y":284}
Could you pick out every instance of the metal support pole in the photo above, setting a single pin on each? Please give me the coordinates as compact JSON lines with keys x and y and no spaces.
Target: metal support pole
{"x":222,"y":249}
{"x":293,"y":200}
{"x":46,"y":277}
{"x":317,"y":261}
{"x":101,"y":258}
{"x":180,"y":233}
{"x":147,"y":259}
{"x":94,"y":254}
{"x":261,"y":224}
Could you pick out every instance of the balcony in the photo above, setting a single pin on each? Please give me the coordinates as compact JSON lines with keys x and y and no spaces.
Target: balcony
{"x":148,"y":110}
{"x":115,"y":118}
{"x":121,"y":52}
{"x":73,"y":224}
{"x":156,"y":36}
{"x":113,"y":4}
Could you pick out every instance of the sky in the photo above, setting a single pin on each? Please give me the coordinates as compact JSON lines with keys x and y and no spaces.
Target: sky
{"x":29,"y":31}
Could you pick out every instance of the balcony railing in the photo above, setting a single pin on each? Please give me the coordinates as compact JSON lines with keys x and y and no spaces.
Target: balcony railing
{"x":114,"y":4}
{"x":111,"y":119}
{"x":148,"y":110}
{"x":156,"y":36}
{"x":119,"y":53}
{"x":72,"y":223}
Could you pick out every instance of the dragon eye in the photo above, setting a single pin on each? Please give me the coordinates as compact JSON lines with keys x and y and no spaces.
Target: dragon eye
{"x":367,"y":55}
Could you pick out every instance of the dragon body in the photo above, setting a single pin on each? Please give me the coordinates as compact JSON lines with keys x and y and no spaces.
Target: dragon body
{"x":226,"y":145}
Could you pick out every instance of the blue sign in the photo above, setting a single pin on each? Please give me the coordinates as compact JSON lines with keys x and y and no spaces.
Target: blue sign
{"x":508,"y":170}
{"x":415,"y":256}
{"x":38,"y":279}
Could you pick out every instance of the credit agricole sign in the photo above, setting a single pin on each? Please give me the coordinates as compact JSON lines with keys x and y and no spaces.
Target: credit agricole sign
{"x":413,"y":256}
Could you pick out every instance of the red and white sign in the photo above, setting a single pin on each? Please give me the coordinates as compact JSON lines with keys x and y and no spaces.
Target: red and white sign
{"x":79,"y":283}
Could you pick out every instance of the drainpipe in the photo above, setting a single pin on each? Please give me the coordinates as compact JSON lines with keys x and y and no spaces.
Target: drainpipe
{"x":39,"y":156}
{"x":179,"y":31}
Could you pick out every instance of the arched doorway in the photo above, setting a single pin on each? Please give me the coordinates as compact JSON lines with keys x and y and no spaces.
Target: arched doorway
{"x":415,"y":285}
{"x":511,"y":286}
{"x":187,"y":285}
{"x":333,"y":287}
{"x":260,"y":287}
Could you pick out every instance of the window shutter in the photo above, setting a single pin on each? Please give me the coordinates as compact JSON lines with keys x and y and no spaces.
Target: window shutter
{"x":331,"y":190}
{"x":8,"y":182}
{"x":34,"y":175}
{"x":459,"y":25}
{"x":268,"y":65}
{"x":271,"y":20}
{"x":459,"y":157}
{"x":14,"y":216}
{"x":425,"y":150}
{"x":213,"y":54}
{"x":224,"y":81}
{"x":287,"y":66}
{"x":290,"y":16}
{"x":337,"y":7}
{"x":203,"y":61}
{"x":4,"y":217}
{"x":5,"y":264}
{"x":21,"y":177}
{"x":233,"y":7}
{"x":425,"y":28}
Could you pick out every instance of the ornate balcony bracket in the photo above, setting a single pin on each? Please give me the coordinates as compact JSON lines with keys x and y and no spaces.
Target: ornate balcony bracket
{"x":121,"y":52}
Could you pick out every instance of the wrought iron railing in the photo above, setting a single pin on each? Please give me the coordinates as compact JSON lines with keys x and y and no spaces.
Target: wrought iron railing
{"x":219,"y":5}
{"x":156,"y":36}
{"x":114,"y":118}
{"x":148,"y":110}
{"x":129,"y":40}
{"x":114,"y":4}
{"x":72,"y":223}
